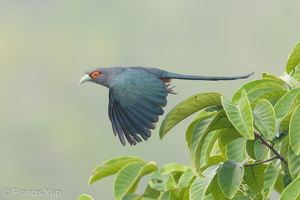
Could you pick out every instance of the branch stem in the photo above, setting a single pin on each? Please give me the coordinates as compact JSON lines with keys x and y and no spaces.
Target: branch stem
{"x":270,"y":147}
{"x":261,"y":162}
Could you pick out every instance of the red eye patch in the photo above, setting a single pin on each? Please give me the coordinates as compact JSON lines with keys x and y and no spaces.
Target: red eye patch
{"x":95,"y":74}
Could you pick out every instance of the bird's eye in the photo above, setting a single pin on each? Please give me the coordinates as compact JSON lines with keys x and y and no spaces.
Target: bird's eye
{"x":95,"y":74}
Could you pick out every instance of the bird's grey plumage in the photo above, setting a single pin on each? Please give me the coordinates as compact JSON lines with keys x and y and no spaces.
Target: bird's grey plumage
{"x":135,"y":103}
{"x":136,"y":97}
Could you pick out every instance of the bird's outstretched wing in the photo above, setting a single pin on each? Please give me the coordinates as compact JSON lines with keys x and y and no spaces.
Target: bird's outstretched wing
{"x":135,"y":101}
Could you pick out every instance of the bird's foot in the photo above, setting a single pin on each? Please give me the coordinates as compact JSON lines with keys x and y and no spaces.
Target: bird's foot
{"x":170,"y":89}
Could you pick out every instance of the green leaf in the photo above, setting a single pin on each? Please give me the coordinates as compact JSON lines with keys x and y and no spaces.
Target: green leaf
{"x":165,"y":195}
{"x":254,"y":94}
{"x":260,"y":150}
{"x":291,"y":192}
{"x":293,"y":164}
{"x":170,"y":183}
{"x":85,"y":197}
{"x":230,"y":177}
{"x":193,"y":124}
{"x":186,"y":108}
{"x":209,"y":197}
{"x":158,"y":181}
{"x":176,"y":194}
{"x":134,"y":197}
{"x":250,"y":148}
{"x":213,"y":160}
{"x":293,"y":59}
{"x":259,"y":196}
{"x":205,"y":147}
{"x":257,"y":84}
{"x":200,"y":130}
{"x":243,"y":196}
{"x":270,"y":76}
{"x":151,"y":192}
{"x":202,"y":142}
{"x":236,"y":149}
{"x":128,"y":177}
{"x":200,"y":185}
{"x":240,"y":115}
{"x":265,"y":119}
{"x":112,"y":166}
{"x":287,"y":178}
{"x":143,"y":198}
{"x":272,"y":96}
{"x":284,"y":147}
{"x":157,"y":175}
{"x":219,"y":122}
{"x":180,"y":192}
{"x":296,"y":75}
{"x":271,"y":83}
{"x":283,"y":106}
{"x":289,"y":78}
{"x":271,"y":175}
{"x":222,"y":123}
{"x":186,"y":195}
{"x":161,"y":182}
{"x":283,"y":124}
{"x":254,"y":177}
{"x":216,"y":190}
{"x":226,"y":136}
{"x":173,"y":167}
{"x":294,"y":132}
{"x":279,"y":186}
{"x":248,"y":191}
{"x":185,"y":178}
{"x":285,"y":121}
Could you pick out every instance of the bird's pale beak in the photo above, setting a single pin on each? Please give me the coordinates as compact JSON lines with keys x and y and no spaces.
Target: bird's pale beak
{"x":85,"y":78}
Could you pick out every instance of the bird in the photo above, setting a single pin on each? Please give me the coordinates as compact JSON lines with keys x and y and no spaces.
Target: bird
{"x":137,"y":96}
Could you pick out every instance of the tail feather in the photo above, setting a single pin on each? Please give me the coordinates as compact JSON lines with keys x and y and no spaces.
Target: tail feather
{"x":209,"y":78}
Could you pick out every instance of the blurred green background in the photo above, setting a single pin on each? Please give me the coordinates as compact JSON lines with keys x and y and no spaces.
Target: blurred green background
{"x":55,"y":132}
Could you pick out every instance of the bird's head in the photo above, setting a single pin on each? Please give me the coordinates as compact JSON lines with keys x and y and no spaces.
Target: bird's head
{"x":98,"y":75}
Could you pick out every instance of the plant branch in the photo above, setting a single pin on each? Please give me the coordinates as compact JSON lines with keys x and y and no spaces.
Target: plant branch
{"x":270,"y":147}
{"x":261,"y":162}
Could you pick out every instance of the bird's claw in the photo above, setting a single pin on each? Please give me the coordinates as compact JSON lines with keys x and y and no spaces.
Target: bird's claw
{"x":170,"y":89}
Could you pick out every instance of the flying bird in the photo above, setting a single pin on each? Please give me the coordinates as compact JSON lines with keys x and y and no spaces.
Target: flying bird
{"x":137,"y":95}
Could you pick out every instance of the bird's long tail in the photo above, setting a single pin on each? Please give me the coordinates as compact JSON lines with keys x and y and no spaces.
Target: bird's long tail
{"x":209,"y":78}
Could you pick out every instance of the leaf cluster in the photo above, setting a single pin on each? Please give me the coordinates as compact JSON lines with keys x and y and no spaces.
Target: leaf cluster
{"x":243,"y":148}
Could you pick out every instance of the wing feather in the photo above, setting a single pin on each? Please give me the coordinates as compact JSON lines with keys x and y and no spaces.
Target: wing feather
{"x":156,"y":100}
{"x":117,"y":127}
{"x":136,"y":126}
{"x":151,"y":108}
{"x":125,"y":124}
{"x":133,"y":115}
{"x":135,"y":101}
